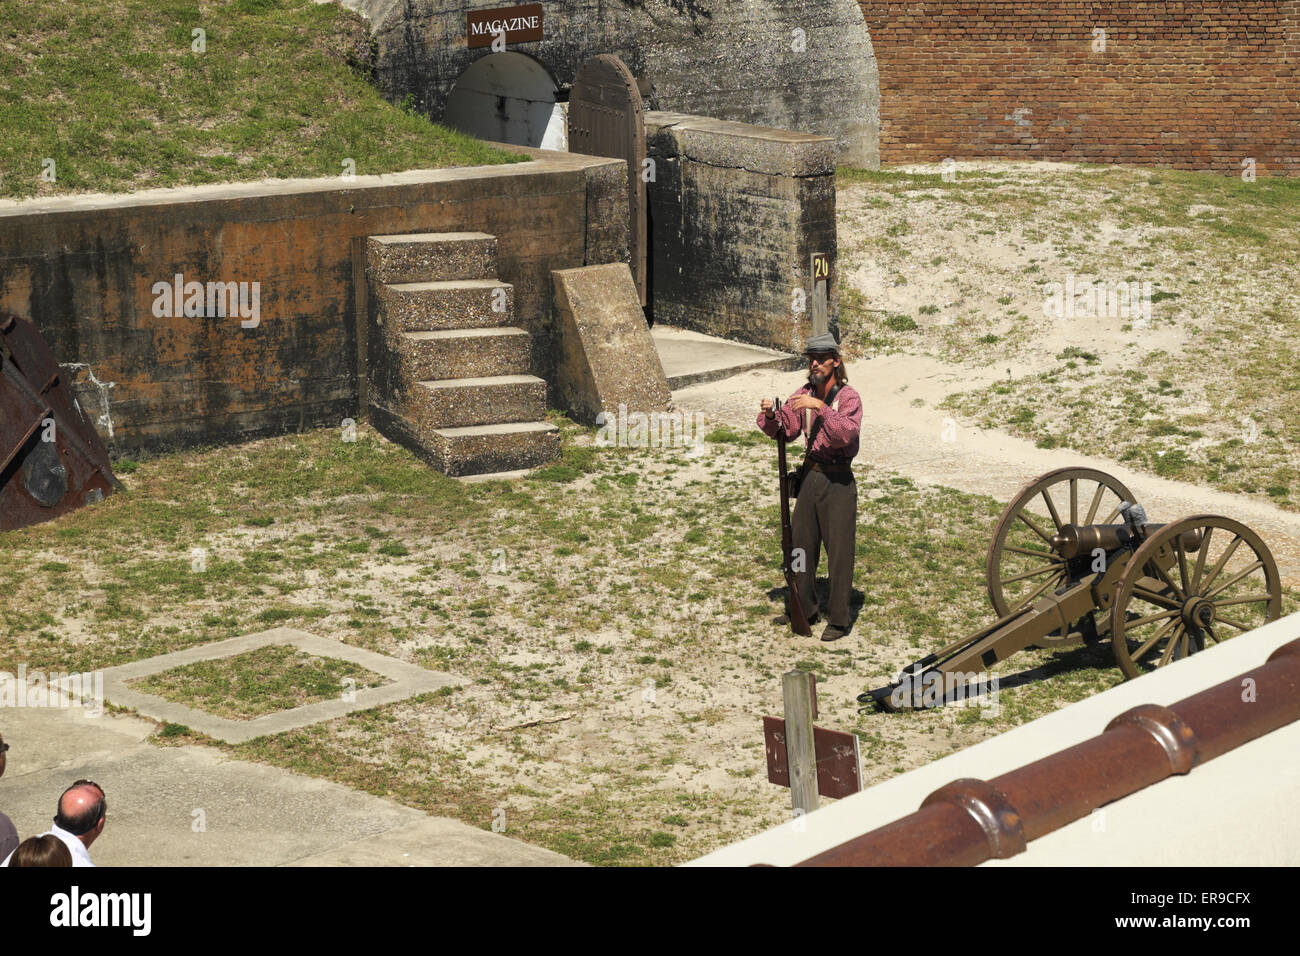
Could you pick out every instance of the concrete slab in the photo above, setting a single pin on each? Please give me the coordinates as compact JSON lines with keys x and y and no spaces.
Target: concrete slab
{"x":693,"y":358}
{"x":515,"y":475}
{"x":407,"y":680}
{"x":606,"y":357}
{"x":437,"y":841}
{"x":195,"y":806}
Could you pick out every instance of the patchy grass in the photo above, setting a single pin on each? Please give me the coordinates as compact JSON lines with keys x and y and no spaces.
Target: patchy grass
{"x":116,"y":95}
{"x":615,"y":635}
{"x":1203,"y":388}
{"x":263,"y":681}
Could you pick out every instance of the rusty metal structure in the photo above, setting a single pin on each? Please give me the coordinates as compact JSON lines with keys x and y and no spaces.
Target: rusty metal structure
{"x":970,"y":821}
{"x":52,"y":460}
{"x":1058,"y":577}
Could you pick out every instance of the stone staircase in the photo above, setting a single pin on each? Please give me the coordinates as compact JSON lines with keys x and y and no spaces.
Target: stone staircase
{"x":448,"y":375}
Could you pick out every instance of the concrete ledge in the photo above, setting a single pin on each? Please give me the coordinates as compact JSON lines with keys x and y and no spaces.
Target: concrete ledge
{"x":1236,"y":810}
{"x":84,"y":268}
{"x":693,"y":358}
{"x":760,"y":149}
{"x":544,"y":161}
{"x":407,"y":681}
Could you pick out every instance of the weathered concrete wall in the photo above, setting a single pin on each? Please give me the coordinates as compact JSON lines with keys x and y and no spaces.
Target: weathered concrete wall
{"x":791,"y":64}
{"x":736,"y":214}
{"x":82,"y":269}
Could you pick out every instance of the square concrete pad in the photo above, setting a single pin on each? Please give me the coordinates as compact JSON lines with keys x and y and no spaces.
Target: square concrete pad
{"x":408,"y":680}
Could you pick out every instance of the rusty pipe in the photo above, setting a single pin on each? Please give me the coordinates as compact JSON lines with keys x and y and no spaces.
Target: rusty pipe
{"x":969,"y":821}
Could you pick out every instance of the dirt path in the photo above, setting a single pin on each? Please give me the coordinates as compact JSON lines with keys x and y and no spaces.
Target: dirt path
{"x":903,"y":431}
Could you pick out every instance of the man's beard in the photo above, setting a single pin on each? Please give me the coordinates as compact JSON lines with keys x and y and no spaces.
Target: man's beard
{"x":817,"y":378}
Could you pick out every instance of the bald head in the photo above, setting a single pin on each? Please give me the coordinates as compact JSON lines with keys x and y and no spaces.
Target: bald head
{"x":81,"y":811}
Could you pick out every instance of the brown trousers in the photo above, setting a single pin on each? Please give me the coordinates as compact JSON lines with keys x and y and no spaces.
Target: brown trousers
{"x":826,"y":512}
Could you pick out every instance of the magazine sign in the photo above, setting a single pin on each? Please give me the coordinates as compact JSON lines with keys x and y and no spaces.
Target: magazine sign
{"x":519,"y":24}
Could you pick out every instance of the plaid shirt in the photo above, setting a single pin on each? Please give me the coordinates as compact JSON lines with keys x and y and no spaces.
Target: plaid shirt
{"x":835,"y":439}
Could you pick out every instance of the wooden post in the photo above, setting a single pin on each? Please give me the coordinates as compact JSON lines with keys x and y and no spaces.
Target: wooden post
{"x":819,"y":306}
{"x":801,"y":753}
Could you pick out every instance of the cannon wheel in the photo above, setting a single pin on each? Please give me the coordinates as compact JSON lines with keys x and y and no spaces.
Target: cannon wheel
{"x":1228,"y":585}
{"x":1021,"y":565}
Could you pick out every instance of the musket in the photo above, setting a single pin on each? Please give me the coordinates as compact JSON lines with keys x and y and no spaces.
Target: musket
{"x":794,"y":610}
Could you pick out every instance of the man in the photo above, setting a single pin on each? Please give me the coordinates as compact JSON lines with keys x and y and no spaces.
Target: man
{"x":8,"y":833}
{"x":80,"y":820}
{"x":827,"y":508}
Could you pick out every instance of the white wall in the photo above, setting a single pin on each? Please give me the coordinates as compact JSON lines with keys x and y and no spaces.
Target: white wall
{"x":503,"y":97}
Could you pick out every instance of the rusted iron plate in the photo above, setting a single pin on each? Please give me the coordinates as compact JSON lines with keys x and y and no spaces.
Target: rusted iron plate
{"x":52,"y":460}
{"x":839,"y":762}
{"x":606,"y":118}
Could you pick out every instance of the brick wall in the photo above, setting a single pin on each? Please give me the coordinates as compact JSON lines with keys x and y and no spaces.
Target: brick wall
{"x":1193,"y":84}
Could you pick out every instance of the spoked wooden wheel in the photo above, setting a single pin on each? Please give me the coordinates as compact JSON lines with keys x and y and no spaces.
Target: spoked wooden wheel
{"x":1021,"y":565}
{"x":1192,"y":584}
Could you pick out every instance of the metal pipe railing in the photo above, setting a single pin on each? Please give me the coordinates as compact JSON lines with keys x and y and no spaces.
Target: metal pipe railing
{"x":969,"y":821}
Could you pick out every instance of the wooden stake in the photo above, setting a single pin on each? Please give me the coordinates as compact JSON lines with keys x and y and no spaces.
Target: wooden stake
{"x":798,"y":689}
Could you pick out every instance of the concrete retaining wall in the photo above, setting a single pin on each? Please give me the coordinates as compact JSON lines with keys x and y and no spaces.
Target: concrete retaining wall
{"x":84,"y":269}
{"x":736,"y":214}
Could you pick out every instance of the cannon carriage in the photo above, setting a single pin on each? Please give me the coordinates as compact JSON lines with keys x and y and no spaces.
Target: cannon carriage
{"x":1062,"y":570}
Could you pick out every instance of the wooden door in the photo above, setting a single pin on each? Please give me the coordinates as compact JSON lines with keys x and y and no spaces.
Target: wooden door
{"x":606,"y":118}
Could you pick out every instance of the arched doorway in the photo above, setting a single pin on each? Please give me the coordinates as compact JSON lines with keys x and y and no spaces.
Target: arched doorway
{"x":504,"y":97}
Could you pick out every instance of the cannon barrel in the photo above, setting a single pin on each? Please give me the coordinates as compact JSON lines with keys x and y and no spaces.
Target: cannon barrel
{"x":1074,"y":540}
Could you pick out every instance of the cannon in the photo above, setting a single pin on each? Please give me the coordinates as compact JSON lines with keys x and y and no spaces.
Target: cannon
{"x":1062,"y":571}
{"x":52,"y":460}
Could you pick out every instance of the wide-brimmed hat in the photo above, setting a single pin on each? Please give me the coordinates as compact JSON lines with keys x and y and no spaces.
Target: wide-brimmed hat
{"x":822,"y":343}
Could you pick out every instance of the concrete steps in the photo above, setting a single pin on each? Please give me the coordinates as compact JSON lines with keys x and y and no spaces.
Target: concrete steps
{"x":480,"y":449}
{"x":456,"y":304}
{"x":431,"y":257}
{"x":493,"y":400}
{"x":449,"y":372}
{"x":453,"y":353}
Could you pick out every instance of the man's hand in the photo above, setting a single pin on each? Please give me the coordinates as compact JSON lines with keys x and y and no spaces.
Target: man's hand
{"x":765,"y":406}
{"x":800,"y":402}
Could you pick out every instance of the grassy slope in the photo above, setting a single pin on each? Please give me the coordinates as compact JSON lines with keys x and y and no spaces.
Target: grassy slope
{"x":113,"y":92}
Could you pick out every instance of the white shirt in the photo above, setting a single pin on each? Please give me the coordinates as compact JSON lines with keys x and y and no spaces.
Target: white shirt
{"x":80,"y":855}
